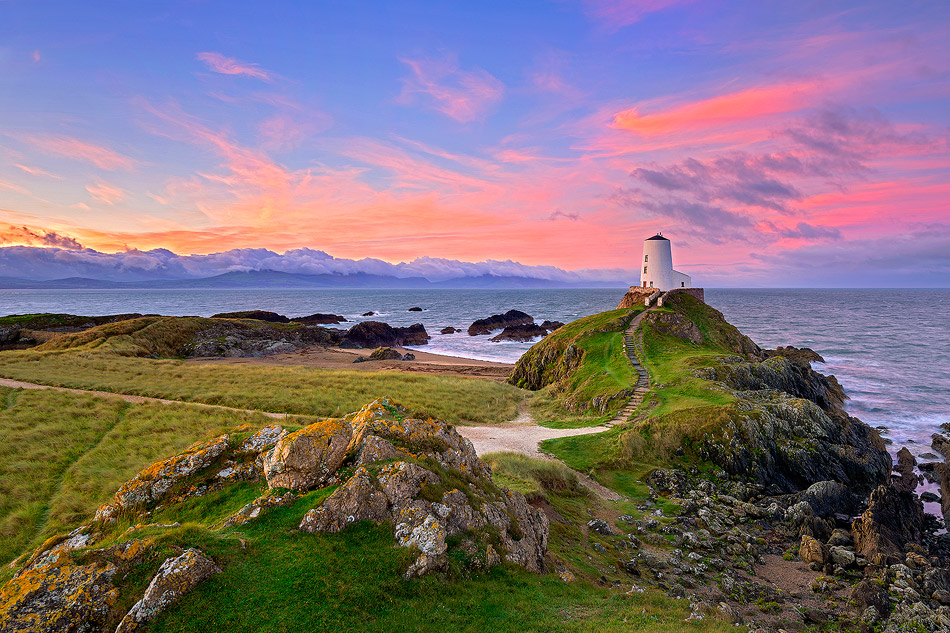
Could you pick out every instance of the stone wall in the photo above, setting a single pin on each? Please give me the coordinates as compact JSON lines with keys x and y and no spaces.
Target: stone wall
{"x":696,"y":292}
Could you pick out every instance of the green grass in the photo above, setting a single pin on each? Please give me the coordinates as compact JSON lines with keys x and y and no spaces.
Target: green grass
{"x":300,"y":390}
{"x":64,"y":454}
{"x":568,"y":388}
{"x":534,"y":477}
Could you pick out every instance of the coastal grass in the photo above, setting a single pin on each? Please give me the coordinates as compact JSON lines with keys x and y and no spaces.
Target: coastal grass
{"x":294,"y":389}
{"x":533,"y":477}
{"x":569,"y":387}
{"x":64,"y":454}
{"x":277,"y":578}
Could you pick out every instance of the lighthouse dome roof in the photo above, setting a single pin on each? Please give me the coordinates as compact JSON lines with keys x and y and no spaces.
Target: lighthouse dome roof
{"x":656,"y":237}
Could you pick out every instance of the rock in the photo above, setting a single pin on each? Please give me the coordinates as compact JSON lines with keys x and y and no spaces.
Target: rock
{"x":385,"y":353}
{"x":370,"y":313}
{"x":153,"y":483}
{"x":842,"y":557}
{"x":357,"y":500}
{"x":52,"y":594}
{"x":552,"y":325}
{"x":942,"y":596}
{"x":238,"y":339}
{"x":600,"y":526}
{"x":908,"y":480}
{"x":263,"y":439}
{"x":449,"y":330}
{"x":409,"y":356}
{"x":377,"y":334}
{"x":800,"y":354}
{"x":941,"y":444}
{"x":254,"y":509}
{"x":635,"y":297}
{"x":811,"y":551}
{"x":929,"y":497}
{"x":499,"y":321}
{"x":10,"y":335}
{"x":176,"y":577}
{"x":308,"y":458}
{"x":840,"y":538}
{"x":415,"y":309}
{"x":828,"y":497}
{"x":320,"y":319}
{"x":893,"y":519}
{"x":520,"y":333}
{"x":674,"y":324}
{"x":258,"y":315}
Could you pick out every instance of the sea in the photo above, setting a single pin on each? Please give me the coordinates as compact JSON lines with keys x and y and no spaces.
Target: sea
{"x":890,"y":349}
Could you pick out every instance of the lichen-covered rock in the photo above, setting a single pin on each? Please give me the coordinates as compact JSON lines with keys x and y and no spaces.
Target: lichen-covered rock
{"x":52,"y":594}
{"x":308,"y":458}
{"x":263,"y":439}
{"x":254,"y":509}
{"x":359,"y":499}
{"x":176,"y":577}
{"x":376,"y":449}
{"x":385,"y":353}
{"x":153,"y":483}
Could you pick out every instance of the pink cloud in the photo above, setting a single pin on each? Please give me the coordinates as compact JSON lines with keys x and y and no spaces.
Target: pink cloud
{"x":101,"y":157}
{"x":107,"y":194}
{"x":464,"y":95}
{"x":218,"y":63}
{"x":35,"y":171}
{"x":616,"y":14}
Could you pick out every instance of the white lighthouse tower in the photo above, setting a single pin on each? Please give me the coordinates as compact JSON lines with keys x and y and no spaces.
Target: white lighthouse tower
{"x":658,"y":266}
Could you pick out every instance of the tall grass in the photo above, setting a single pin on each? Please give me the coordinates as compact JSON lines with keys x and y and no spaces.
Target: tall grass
{"x":64,"y":454}
{"x":301,"y":390}
{"x":534,"y":477}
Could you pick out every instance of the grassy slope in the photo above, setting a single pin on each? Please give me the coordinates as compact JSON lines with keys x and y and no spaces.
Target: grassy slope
{"x":604,"y":371}
{"x":673,"y":415}
{"x":111,"y":358}
{"x":64,"y":454}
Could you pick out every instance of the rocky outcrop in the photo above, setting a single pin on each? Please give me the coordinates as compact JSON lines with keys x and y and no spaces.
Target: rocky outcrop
{"x":53,"y":593}
{"x":319,"y":319}
{"x":236,"y":339}
{"x":634,"y":297}
{"x":372,"y":334}
{"x":308,"y":458}
{"x":10,"y":334}
{"x":894,"y":519}
{"x":425,"y":512}
{"x":798,"y":354}
{"x":175,"y":578}
{"x":520,"y":333}
{"x":674,"y":324}
{"x":550,"y":326}
{"x":257,"y":315}
{"x":156,"y":481}
{"x":499,"y":322}
{"x":385,"y":353}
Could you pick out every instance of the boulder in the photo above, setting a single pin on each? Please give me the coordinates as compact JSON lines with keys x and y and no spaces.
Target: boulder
{"x":868,"y":593}
{"x":372,"y":334}
{"x":258,"y":315}
{"x":175,"y":578}
{"x":907,"y":479}
{"x":550,"y":326}
{"x":320,"y":319}
{"x":449,"y":330}
{"x":359,"y":499}
{"x":370,"y":313}
{"x":385,"y":353}
{"x":415,"y":309}
{"x":499,"y":322}
{"x":830,"y":497}
{"x":10,"y":335}
{"x":520,"y":333}
{"x":153,"y":483}
{"x":811,"y":551}
{"x":261,"y":440}
{"x":800,"y":354}
{"x":308,"y":458}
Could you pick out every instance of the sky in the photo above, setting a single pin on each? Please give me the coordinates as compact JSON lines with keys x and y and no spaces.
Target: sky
{"x":775,"y":143}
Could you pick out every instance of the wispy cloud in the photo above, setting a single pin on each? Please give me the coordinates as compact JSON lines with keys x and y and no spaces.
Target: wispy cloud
{"x":35,"y":171}
{"x":37,"y":237}
{"x":616,"y":14}
{"x":218,"y":63}
{"x":106,"y":194}
{"x":69,"y":147}
{"x":464,"y":95}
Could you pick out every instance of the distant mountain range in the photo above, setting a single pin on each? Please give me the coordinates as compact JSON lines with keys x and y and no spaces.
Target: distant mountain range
{"x":277,"y":279}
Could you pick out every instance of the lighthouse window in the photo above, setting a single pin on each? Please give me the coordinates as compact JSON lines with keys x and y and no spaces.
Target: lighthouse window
{"x":646,"y":258}
{"x":682,"y":284}
{"x":644,"y":270}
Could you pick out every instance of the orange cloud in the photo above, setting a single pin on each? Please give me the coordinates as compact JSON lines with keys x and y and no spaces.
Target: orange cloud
{"x":218,"y":63}
{"x":743,"y":105}
{"x":106,"y":194}
{"x":101,"y":157}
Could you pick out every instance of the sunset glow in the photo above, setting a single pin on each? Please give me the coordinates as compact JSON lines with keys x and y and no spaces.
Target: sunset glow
{"x":765,"y":138}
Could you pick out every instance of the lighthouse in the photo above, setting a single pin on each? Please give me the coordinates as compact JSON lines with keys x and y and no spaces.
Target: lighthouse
{"x":657,"y":266}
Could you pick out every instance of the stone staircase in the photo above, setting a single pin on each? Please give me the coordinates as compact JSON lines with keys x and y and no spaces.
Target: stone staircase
{"x":632,"y":347}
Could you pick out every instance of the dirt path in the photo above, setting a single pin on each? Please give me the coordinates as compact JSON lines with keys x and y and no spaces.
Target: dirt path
{"x":19,"y":384}
{"x":523,"y":434}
